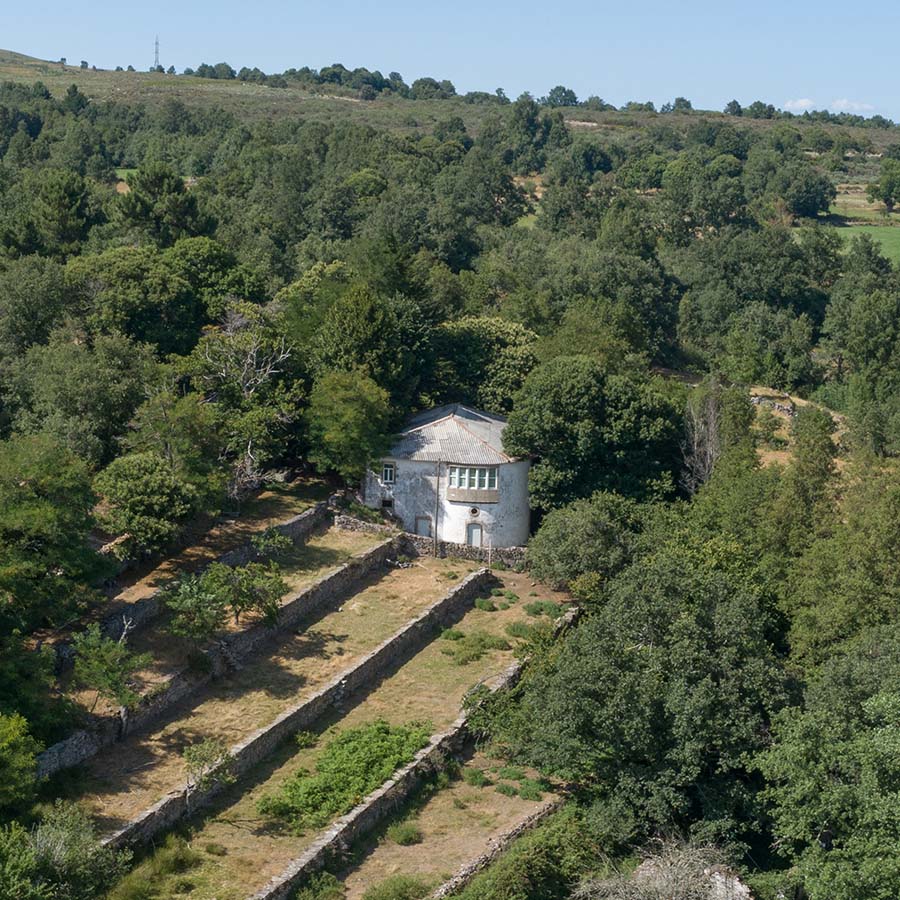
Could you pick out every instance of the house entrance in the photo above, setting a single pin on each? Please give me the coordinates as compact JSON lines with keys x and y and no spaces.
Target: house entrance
{"x":423,"y":526}
{"x":473,"y":534}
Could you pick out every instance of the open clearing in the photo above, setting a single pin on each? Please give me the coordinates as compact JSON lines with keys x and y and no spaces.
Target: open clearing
{"x":123,"y":780}
{"x":251,"y":849}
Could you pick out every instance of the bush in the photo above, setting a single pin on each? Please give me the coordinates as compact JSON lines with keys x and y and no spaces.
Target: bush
{"x":405,"y":833}
{"x":520,"y":629}
{"x":530,"y":789}
{"x":507,"y":789}
{"x":323,"y":886}
{"x":272,"y":544}
{"x":544,"y":608}
{"x":351,"y":766}
{"x":485,"y":604}
{"x":397,"y":887}
{"x":306,"y":739}
{"x":452,"y":634}
{"x":214,"y":849}
{"x":17,"y":762}
{"x":475,"y":777}
{"x":472,"y":647}
{"x":511,"y":773}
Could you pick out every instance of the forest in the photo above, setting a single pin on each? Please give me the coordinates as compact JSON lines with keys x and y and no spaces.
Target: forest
{"x":191,"y":301}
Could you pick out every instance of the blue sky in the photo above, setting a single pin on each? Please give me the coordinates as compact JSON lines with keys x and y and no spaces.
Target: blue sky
{"x":793,"y":54}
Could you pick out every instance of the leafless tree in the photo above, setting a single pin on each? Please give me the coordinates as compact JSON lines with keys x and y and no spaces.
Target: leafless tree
{"x":673,"y":872}
{"x":702,"y":444}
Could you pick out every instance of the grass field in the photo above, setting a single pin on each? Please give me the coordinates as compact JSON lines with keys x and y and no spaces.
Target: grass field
{"x":886,"y":235}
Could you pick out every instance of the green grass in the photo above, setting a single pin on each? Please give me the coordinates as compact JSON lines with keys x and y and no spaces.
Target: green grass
{"x":886,"y":235}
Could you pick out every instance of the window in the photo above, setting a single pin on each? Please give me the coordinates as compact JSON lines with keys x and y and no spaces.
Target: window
{"x":473,"y":478}
{"x":387,"y":503}
{"x":387,"y":473}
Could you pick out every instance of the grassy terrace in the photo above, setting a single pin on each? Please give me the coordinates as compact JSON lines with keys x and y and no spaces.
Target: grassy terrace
{"x":248,"y":849}
{"x":126,"y":778}
{"x":456,"y":822}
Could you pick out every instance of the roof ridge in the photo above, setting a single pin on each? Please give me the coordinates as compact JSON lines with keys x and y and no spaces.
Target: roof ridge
{"x":483,"y":441}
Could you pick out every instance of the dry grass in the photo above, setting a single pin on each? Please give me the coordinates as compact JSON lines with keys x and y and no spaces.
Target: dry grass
{"x":457,"y":824}
{"x":430,"y":687}
{"x":127,"y":778}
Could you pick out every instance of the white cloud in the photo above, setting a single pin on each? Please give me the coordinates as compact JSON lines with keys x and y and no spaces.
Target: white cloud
{"x":845,"y":105}
{"x":799,"y":105}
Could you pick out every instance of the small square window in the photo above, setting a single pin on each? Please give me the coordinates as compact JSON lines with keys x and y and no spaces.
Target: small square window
{"x":387,"y":473}
{"x":387,"y":503}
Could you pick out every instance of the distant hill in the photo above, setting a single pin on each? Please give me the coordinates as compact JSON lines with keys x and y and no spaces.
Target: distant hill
{"x":249,"y":100}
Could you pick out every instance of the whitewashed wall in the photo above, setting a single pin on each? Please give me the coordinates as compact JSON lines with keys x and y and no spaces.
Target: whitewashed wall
{"x":504,"y":524}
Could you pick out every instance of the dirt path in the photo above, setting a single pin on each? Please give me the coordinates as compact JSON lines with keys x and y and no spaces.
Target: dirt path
{"x":249,"y":849}
{"x":128,"y":777}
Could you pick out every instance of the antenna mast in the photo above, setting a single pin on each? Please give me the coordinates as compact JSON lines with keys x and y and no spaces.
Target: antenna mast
{"x":156,"y":54}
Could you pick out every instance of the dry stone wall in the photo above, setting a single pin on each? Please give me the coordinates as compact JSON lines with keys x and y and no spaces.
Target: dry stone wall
{"x":259,"y":745}
{"x":139,"y":614}
{"x":107,"y":730}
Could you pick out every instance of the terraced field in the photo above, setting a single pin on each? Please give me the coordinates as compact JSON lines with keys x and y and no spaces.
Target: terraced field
{"x":128,"y":777}
{"x":239,"y":849}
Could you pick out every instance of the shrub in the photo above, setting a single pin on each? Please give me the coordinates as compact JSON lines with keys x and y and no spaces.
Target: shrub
{"x":397,"y":887}
{"x":544,"y":608}
{"x":17,"y":761}
{"x":530,"y":789}
{"x":452,"y":634}
{"x":214,"y":849}
{"x":351,"y":766}
{"x":472,"y":647}
{"x":496,"y":592}
{"x":475,"y":777}
{"x":520,"y":629}
{"x":485,"y":604}
{"x":405,"y":833}
{"x":306,"y":739}
{"x":511,"y":773}
{"x":507,"y":789}
{"x":512,"y":596}
{"x":323,"y":886}
{"x":272,"y":544}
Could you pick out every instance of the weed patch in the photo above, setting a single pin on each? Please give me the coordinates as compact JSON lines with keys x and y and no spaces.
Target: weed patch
{"x":397,"y":887}
{"x":404,"y":833}
{"x":473,"y":646}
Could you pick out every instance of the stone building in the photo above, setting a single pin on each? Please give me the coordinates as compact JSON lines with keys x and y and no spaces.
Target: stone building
{"x":447,"y":476}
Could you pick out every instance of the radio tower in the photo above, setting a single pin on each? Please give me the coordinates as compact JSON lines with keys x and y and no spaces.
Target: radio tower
{"x":156,"y":55}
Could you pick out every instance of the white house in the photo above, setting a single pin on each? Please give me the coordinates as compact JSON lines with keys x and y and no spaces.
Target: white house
{"x":447,"y":475}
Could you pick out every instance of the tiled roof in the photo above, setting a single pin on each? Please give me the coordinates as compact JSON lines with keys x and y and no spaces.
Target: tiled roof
{"x":453,"y":434}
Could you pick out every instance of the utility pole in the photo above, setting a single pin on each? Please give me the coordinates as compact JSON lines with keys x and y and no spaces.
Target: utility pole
{"x":156,"y":55}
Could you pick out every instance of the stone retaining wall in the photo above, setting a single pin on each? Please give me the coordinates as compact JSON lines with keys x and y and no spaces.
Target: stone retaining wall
{"x":141,"y":612}
{"x":497,"y":846}
{"x":339,"y":837}
{"x":107,"y":730}
{"x":259,"y":745}
{"x":513,"y":557}
{"x":337,"y":840}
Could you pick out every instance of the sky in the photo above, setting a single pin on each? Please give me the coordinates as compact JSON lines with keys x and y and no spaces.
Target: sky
{"x":796,"y":54}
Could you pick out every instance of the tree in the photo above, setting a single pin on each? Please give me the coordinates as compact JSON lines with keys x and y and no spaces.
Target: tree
{"x":46,"y":563}
{"x":144,"y":500}
{"x":832,"y":774}
{"x":246,"y":367}
{"x":480,"y":360}
{"x":255,"y":587}
{"x":198,"y":611}
{"x":19,"y":873}
{"x":206,"y":763}
{"x":34,"y":301}
{"x":887,"y":189}
{"x":595,"y":536}
{"x":560,"y":96}
{"x":107,"y":666}
{"x":348,"y":420}
{"x":80,"y":391}
{"x":590,"y":431}
{"x":158,"y":207}
{"x":17,"y":763}
{"x":652,"y":705}
{"x":733,"y":108}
